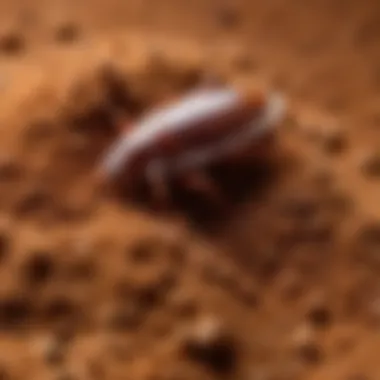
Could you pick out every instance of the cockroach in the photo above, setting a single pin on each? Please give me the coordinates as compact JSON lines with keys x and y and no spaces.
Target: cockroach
{"x":181,"y":139}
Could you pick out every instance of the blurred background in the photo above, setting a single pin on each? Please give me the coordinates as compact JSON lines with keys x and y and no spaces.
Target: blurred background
{"x":285,"y":288}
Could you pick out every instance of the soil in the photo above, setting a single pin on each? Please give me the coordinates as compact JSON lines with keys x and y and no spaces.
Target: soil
{"x":284,"y":286}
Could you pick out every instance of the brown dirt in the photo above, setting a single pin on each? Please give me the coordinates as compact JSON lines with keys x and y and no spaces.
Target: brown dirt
{"x":285,"y":287}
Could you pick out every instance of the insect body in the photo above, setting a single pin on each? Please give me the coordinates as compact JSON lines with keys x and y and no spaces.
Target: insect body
{"x":180,"y":140}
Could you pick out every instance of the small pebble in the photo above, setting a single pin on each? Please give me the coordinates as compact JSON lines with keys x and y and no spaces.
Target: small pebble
{"x":303,"y":334}
{"x":208,"y":343}
{"x":305,"y":345}
{"x":53,"y":351}
{"x":80,"y":253}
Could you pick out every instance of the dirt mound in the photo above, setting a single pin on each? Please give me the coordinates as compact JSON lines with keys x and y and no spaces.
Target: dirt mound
{"x":285,"y":286}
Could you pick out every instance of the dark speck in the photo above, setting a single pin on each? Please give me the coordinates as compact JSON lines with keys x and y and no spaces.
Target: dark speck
{"x":60,"y":308}
{"x":334,"y":143}
{"x":370,"y":166}
{"x":39,"y":268}
{"x":300,"y":206}
{"x":319,"y":316}
{"x":358,"y":376}
{"x":144,"y":250}
{"x":12,"y":43}
{"x":32,"y":200}
{"x":4,"y":244}
{"x":124,"y":318}
{"x":369,"y":234}
{"x":228,"y":17}
{"x":67,"y":33}
{"x":64,"y":375}
{"x":14,"y":311}
{"x":118,"y":93}
{"x":310,"y":353}
{"x":4,"y":375}
{"x":9,"y":170}
{"x":148,"y":297}
{"x":39,"y":130}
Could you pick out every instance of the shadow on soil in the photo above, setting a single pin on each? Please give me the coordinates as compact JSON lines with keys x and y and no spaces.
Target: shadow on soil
{"x":239,"y":184}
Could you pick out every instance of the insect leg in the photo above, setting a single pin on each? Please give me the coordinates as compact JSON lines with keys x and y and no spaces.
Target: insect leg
{"x":200,"y":182}
{"x":156,"y":176}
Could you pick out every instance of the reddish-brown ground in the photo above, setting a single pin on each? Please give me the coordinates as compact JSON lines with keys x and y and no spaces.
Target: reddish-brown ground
{"x":285,"y":287}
